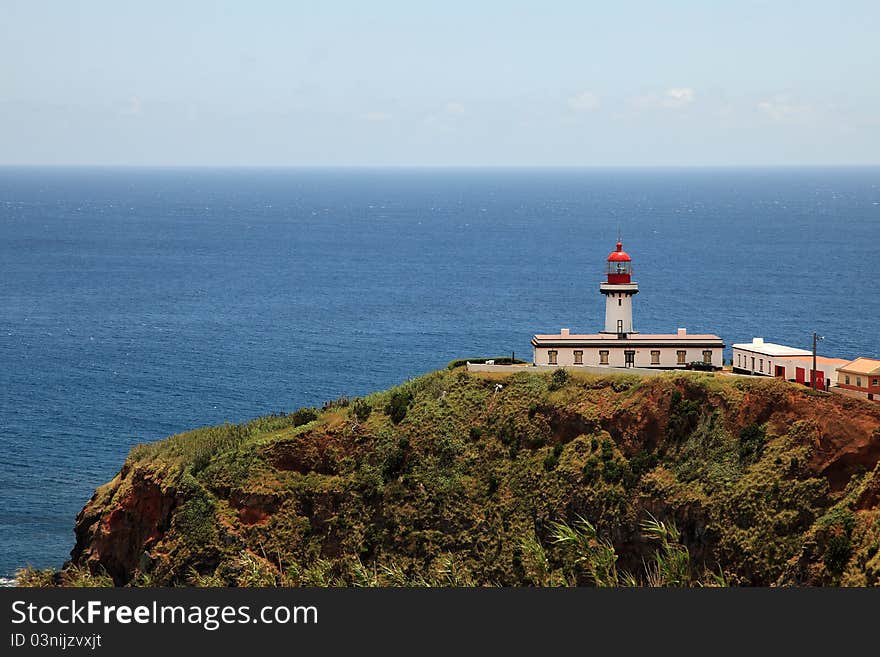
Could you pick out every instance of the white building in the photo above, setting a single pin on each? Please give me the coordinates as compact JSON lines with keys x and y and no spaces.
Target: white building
{"x":761,"y":358}
{"x":619,"y":345}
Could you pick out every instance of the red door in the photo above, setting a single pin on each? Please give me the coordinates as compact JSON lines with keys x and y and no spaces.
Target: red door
{"x":800,"y":375}
{"x":820,"y":378}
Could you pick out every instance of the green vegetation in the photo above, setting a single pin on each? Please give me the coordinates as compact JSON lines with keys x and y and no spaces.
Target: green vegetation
{"x":556,"y":479}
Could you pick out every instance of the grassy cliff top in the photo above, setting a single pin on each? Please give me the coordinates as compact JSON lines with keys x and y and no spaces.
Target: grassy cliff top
{"x":559,"y":478}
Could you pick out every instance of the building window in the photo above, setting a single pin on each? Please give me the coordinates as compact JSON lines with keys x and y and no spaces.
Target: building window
{"x":738,"y":360}
{"x":603,"y":357}
{"x":629,"y":358}
{"x":578,"y":357}
{"x":859,"y":381}
{"x":875,"y":382}
{"x":707,"y":357}
{"x":551,"y":356}
{"x":760,"y":363}
{"x":846,"y":378}
{"x":680,"y":355}
{"x":655,"y":358}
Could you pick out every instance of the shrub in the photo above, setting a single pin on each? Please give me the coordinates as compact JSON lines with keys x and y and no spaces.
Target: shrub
{"x":591,"y":467}
{"x":397,"y":406}
{"x":552,"y":459}
{"x":838,"y":552}
{"x":475,"y":433}
{"x":643,"y":462}
{"x":361,"y":410}
{"x":558,"y":379}
{"x":303,"y":416}
{"x":612,"y":471}
{"x":508,"y":435}
{"x":394,"y":461}
{"x":683,"y":416}
{"x":195,"y":520}
{"x":607,"y":449}
{"x":752,"y":439}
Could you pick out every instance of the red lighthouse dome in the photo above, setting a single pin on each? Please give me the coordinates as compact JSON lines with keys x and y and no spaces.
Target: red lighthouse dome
{"x":619,"y":266}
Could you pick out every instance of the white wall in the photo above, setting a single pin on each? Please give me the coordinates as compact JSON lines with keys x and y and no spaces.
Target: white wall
{"x":618,"y":306}
{"x":616,"y":357}
{"x":742,"y":360}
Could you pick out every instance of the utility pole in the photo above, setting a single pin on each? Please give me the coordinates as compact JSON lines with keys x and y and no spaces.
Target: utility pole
{"x":813,"y":377}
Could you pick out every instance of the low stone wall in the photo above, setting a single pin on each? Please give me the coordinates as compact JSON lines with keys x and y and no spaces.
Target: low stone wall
{"x":641,"y":371}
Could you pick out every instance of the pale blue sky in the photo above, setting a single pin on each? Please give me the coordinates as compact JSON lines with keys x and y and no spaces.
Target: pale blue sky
{"x":441,"y":83}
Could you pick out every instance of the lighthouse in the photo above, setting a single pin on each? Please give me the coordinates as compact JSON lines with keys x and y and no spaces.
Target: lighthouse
{"x":618,"y":345}
{"x":619,"y":290}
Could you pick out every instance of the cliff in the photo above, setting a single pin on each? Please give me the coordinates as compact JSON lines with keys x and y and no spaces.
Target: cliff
{"x":457,"y":478}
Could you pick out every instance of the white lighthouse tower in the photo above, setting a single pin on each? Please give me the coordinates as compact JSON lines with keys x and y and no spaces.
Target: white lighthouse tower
{"x":619,"y":289}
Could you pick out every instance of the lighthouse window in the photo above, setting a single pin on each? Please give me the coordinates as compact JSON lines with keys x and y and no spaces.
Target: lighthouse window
{"x":619,"y":301}
{"x":551,"y":356}
{"x":655,"y":358}
{"x":680,"y":356}
{"x":707,"y":357}
{"x":603,"y":357}
{"x":578,"y":357}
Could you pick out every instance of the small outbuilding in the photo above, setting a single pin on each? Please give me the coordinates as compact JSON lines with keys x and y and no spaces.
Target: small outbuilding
{"x":759,"y":358}
{"x":861,"y":376}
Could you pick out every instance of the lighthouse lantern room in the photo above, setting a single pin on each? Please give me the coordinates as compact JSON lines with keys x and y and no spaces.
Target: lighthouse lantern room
{"x":619,"y":289}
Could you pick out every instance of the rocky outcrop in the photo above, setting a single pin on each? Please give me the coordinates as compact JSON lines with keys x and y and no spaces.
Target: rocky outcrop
{"x":122,"y":521}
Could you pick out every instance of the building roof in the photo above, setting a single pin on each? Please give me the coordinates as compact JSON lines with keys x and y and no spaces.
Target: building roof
{"x":771,"y":349}
{"x":619,"y":255}
{"x":632,"y":338}
{"x":822,"y":360}
{"x":862,"y":366}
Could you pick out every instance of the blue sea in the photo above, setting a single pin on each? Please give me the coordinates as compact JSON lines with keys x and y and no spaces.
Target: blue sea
{"x":136,"y":303}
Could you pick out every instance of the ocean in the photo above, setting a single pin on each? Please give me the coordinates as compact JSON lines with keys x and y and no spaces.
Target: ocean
{"x":137,"y":303}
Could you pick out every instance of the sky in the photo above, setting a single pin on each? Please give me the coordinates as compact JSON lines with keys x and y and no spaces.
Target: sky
{"x":383,"y":83}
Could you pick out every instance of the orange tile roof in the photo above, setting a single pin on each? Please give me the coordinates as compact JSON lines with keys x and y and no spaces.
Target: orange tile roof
{"x":862,"y":366}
